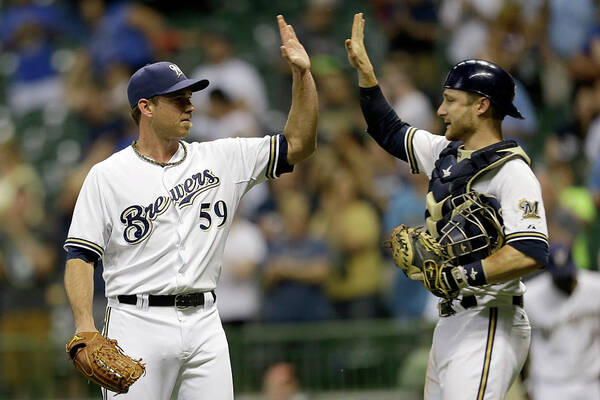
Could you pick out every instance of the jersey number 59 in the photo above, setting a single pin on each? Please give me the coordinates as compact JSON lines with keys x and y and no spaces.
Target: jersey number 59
{"x":219,"y":209}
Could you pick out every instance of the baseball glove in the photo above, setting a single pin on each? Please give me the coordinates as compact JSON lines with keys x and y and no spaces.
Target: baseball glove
{"x":103,"y":362}
{"x":421,"y":258}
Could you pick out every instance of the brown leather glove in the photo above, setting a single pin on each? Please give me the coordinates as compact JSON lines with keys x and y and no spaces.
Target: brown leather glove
{"x":103,"y":362}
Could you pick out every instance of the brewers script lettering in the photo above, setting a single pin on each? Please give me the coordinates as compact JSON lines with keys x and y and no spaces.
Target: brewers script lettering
{"x":138,"y":219}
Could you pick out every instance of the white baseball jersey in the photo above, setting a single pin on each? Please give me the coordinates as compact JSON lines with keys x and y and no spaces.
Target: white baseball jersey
{"x":565,"y":345}
{"x":481,"y":343}
{"x":478,"y":352}
{"x":513,"y":184}
{"x":163,"y":230}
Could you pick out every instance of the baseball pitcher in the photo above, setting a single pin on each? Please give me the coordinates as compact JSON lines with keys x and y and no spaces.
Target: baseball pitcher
{"x":157,"y":215}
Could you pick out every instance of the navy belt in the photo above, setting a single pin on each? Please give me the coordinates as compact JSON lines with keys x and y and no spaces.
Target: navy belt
{"x":446,"y":308}
{"x":184,"y":300}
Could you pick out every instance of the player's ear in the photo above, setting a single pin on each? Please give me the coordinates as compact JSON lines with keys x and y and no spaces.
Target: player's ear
{"x":145,"y":107}
{"x":482,"y":105}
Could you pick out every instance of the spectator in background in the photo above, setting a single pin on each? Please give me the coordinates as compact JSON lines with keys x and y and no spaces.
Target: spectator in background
{"x":318,"y":25}
{"x":297,"y":267}
{"x":223,"y":118}
{"x":353,"y":231}
{"x":29,"y":32}
{"x":406,"y":99}
{"x":592,"y":134}
{"x":564,"y":308}
{"x":569,"y":24}
{"x":594,"y":182}
{"x":467,"y":24}
{"x":28,"y":260}
{"x":585,"y":65}
{"x":412,"y":27}
{"x":238,"y":79}
{"x":280,"y":382}
{"x":124,"y":32}
{"x":568,"y":135}
{"x":511,"y":43}
{"x":238,"y":291}
{"x":405,"y":297}
{"x":336,"y":106}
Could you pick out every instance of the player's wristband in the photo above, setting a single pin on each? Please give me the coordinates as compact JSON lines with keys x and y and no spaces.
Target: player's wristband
{"x":475,"y":274}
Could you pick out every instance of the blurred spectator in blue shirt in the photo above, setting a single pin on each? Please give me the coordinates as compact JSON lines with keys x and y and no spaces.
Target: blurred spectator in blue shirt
{"x":569,"y":24}
{"x":297,"y":267}
{"x":112,"y":36}
{"x":28,"y":33}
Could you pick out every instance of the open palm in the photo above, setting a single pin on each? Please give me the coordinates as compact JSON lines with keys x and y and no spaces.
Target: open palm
{"x":355,"y":47}
{"x":291,"y":48}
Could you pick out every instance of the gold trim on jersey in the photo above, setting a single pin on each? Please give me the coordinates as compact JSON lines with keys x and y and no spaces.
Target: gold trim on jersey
{"x":105,"y":334}
{"x":514,"y":152}
{"x":270,"y":173}
{"x":106,"y":320}
{"x":488,"y":352}
{"x":410,"y":152}
{"x":517,"y":151}
{"x":526,"y":235}
{"x":86,"y":244}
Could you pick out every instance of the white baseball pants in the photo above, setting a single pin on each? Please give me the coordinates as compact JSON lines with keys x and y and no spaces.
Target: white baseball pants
{"x":185,"y":351}
{"x":477,"y":353}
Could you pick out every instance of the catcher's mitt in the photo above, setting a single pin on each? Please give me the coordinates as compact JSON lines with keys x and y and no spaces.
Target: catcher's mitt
{"x":421,"y":258}
{"x":103,"y":362}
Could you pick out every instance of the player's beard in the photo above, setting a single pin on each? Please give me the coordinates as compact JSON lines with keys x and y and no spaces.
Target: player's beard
{"x":460,"y":128}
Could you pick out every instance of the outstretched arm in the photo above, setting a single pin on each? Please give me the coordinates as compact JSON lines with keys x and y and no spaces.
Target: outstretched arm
{"x":357,"y":54}
{"x":383,"y":123}
{"x":301,"y":127}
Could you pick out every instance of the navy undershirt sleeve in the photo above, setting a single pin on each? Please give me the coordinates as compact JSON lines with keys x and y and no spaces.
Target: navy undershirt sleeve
{"x":283,"y":165}
{"x":383,"y":123}
{"x":535,"y":249}
{"x":82,"y":254}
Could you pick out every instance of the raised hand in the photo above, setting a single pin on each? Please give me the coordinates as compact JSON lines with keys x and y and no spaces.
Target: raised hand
{"x":357,"y":54}
{"x":291,"y":48}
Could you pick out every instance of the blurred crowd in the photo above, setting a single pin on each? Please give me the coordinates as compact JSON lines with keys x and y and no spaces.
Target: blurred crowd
{"x":307,"y":246}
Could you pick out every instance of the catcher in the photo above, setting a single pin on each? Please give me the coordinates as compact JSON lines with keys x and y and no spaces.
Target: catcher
{"x":485,"y":225}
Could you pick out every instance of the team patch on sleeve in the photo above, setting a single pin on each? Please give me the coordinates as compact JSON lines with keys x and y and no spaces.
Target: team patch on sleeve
{"x":410,"y":151}
{"x":529,"y":209}
{"x":85,"y":244}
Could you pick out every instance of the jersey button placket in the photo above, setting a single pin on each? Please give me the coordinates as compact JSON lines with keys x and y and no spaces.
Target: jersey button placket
{"x":178,"y":237}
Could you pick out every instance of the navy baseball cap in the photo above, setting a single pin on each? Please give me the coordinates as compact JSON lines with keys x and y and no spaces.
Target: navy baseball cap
{"x":560,"y":262}
{"x":160,"y":78}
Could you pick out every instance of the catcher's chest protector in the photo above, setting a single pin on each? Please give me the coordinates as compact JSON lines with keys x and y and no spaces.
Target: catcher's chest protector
{"x":451,"y":178}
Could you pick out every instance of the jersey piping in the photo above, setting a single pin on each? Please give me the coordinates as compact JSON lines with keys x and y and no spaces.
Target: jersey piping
{"x":85,"y":244}
{"x":511,"y":237}
{"x":412,"y":160}
{"x":489,"y":347}
{"x":273,"y":156}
